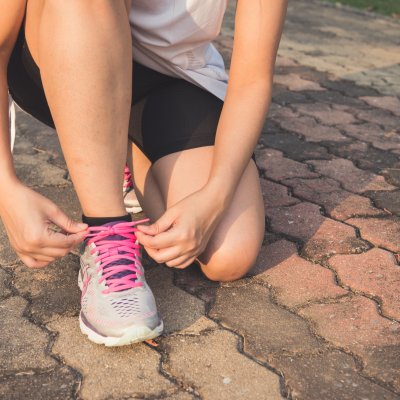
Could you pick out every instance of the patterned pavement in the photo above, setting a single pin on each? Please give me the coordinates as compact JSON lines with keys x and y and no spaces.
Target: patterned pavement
{"x":319,"y":315}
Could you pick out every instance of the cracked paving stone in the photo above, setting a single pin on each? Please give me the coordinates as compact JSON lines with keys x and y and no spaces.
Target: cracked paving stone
{"x":387,"y":200}
{"x":321,"y":236}
{"x":178,"y":308}
{"x":269,"y":331}
{"x":380,"y":138}
{"x":312,"y":130}
{"x":352,"y":178}
{"x":375,"y":273}
{"x":36,"y":170}
{"x":212,"y":364}
{"x":324,"y":113}
{"x":334,"y":376}
{"x":294,"y":83}
{"x":365,"y":156}
{"x":53,"y":290}
{"x":382,"y":232}
{"x":109,"y":372}
{"x":294,"y":280}
{"x":355,"y":325}
{"x":389,"y":103}
{"x":58,"y":384}
{"x":278,"y":167}
{"x":4,"y":281}
{"x":22,"y":344}
{"x":276,"y":195}
{"x":295,"y":148}
{"x":338,"y":203}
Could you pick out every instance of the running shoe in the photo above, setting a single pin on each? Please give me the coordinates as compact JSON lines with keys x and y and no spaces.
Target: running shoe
{"x":118,"y":307}
{"x":130,"y":200}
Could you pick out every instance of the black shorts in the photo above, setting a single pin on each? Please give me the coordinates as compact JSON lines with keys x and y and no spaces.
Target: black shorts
{"x":168,"y":114}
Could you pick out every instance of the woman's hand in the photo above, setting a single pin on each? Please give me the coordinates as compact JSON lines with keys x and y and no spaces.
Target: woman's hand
{"x":28,"y":217}
{"x":183,"y":231}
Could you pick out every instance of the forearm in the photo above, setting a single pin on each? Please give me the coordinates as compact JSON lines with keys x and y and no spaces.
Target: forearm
{"x":238,"y":131}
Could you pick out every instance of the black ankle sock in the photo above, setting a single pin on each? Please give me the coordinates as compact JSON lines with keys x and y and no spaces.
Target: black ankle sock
{"x":97,"y":221}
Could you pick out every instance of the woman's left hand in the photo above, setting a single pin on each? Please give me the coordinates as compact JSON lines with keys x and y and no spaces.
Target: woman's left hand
{"x":183,"y":231}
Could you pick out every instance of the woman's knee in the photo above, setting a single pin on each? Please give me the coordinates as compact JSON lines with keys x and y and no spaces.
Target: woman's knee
{"x":228,"y":266}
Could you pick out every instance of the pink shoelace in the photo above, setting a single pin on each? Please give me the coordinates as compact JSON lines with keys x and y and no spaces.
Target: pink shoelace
{"x":117,"y":255}
{"x":128,"y":183}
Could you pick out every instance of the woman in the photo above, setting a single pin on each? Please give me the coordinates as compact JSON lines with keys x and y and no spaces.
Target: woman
{"x":191,"y":134}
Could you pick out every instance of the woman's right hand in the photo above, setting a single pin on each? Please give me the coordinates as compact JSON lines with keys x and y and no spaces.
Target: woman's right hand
{"x":28,"y":218}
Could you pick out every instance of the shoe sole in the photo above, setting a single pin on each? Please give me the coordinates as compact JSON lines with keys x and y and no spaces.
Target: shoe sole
{"x":134,"y":334}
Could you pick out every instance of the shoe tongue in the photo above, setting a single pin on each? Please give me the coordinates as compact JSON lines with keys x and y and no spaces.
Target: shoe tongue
{"x":121,"y":261}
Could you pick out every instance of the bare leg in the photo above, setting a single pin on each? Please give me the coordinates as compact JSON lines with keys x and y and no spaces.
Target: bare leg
{"x":83,"y":49}
{"x":234,"y":246}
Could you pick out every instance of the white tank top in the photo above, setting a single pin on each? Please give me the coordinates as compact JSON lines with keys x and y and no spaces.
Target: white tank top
{"x":174,"y":37}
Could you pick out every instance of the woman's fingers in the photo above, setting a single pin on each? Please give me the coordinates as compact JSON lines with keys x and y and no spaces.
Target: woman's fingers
{"x":31,"y":262}
{"x":181,"y":262}
{"x":64,"y":222}
{"x":161,"y":241}
{"x":59,"y":240}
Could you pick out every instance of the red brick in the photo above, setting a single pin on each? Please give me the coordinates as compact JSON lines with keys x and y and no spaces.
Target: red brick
{"x":338,"y":203}
{"x":276,"y":195}
{"x":277,"y":167}
{"x":389,"y":103}
{"x":321,"y":236}
{"x":294,"y":280}
{"x":380,"y":138}
{"x":352,"y":178}
{"x":381,"y":232}
{"x":355,"y":325}
{"x":376,"y":273}
{"x":297,"y":84}
{"x":312,"y":130}
{"x":324,"y":113}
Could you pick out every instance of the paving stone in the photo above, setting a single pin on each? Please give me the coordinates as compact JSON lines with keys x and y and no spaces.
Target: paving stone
{"x":380,"y":138}
{"x":355,"y":325}
{"x":109,"y":372}
{"x":212,"y":364}
{"x":311,"y":130}
{"x":365,"y":156}
{"x":348,"y":88}
{"x":276,"y":195}
{"x":58,"y":384}
{"x":352,"y":178}
{"x":338,"y":204}
{"x":389,"y":201}
{"x":35,"y":170}
{"x":321,"y":236}
{"x":22,"y":344}
{"x":53,"y":290}
{"x":278,"y":167}
{"x":7,"y":255}
{"x":277,"y":112}
{"x":392,"y":175}
{"x":324,"y":114}
{"x":295,"y":83}
{"x":178,"y":308}
{"x":268,"y":330}
{"x":334,"y":376}
{"x":382,"y":232}
{"x":375,"y":273}
{"x":333,"y":97}
{"x":294,"y":280}
{"x":295,"y":148}
{"x":379,"y":117}
{"x":389,"y":103}
{"x":4,"y":284}
{"x":281,"y":95}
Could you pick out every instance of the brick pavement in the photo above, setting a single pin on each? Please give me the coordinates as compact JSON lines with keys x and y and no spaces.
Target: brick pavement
{"x":318,"y":316}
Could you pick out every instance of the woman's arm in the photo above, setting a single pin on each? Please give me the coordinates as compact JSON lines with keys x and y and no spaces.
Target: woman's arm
{"x":258,"y":29}
{"x":10,"y":22}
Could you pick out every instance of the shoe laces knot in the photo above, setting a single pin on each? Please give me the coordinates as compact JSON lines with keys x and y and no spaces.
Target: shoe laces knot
{"x":118,"y":255}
